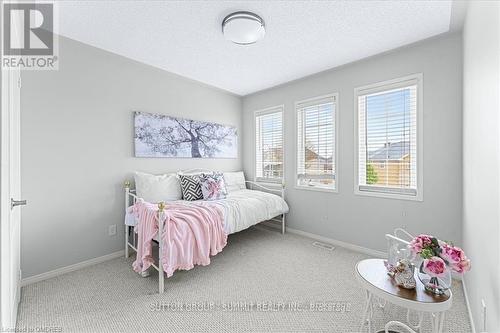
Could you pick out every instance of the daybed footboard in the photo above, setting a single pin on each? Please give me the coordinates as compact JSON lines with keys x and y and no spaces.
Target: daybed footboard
{"x":279,"y":191}
{"x":131,"y":197}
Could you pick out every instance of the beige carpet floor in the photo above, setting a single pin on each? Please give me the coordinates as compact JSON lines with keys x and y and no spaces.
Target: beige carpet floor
{"x":261,"y":282}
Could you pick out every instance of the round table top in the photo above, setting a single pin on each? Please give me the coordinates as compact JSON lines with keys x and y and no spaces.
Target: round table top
{"x":372,"y":274}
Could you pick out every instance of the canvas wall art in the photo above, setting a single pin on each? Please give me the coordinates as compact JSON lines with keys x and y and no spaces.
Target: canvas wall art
{"x":158,"y":135}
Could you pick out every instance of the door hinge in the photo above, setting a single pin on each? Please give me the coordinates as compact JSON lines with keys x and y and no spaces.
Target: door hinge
{"x":19,"y":83}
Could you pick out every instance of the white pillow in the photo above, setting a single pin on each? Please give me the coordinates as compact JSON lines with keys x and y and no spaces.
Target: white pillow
{"x":235,"y":181}
{"x":154,"y":188}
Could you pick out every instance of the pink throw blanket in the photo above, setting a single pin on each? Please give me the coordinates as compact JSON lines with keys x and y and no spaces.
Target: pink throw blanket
{"x":191,"y":234}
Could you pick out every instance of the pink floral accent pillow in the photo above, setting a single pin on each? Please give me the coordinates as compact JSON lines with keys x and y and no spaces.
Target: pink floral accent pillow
{"x":213,"y":186}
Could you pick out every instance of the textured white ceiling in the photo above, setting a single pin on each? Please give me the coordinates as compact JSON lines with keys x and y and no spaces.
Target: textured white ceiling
{"x":302,"y":37}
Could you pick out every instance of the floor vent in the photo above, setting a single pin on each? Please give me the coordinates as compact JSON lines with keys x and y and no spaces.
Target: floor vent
{"x":324,"y":246}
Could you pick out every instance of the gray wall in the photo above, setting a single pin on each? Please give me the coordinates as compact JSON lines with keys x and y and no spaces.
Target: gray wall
{"x":363,"y":220}
{"x":77,"y":148}
{"x":481,"y":160}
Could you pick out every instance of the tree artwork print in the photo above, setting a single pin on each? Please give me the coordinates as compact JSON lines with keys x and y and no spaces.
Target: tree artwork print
{"x":158,"y":135}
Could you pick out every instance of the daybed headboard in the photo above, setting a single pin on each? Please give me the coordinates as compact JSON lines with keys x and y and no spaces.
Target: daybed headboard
{"x":272,"y":188}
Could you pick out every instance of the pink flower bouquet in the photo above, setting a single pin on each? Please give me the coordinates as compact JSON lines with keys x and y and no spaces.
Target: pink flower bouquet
{"x":440,"y":258}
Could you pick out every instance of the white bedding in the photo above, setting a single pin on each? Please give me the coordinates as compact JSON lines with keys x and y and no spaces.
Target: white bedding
{"x":244,"y":208}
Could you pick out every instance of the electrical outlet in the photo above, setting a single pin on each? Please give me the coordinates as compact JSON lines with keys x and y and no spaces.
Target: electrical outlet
{"x":404,"y":214}
{"x":112,"y":230}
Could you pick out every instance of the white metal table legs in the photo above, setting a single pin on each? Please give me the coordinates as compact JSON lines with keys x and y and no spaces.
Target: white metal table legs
{"x":367,"y":313}
{"x":418,"y":326}
{"x":437,"y":319}
{"x":437,"y":322}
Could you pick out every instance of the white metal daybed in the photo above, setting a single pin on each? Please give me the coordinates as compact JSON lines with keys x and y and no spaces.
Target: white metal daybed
{"x":242,"y":209}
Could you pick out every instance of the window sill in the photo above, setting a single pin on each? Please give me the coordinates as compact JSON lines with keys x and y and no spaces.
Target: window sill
{"x":316,"y":189}
{"x":268,"y":182}
{"x":394,"y":196}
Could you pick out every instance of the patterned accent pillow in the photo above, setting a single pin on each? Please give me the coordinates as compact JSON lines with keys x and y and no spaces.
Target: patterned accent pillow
{"x":213,"y":186}
{"x":190,"y":186}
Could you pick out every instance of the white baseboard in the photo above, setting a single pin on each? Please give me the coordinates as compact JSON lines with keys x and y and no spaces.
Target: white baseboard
{"x":71,"y":268}
{"x":467,"y":304}
{"x":345,"y":245}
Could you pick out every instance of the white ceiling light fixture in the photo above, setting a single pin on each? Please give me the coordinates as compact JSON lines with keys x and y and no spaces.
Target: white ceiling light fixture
{"x":243,"y":28}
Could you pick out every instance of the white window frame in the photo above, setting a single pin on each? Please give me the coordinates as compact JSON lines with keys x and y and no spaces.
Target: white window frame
{"x":272,"y":109}
{"x":379,"y":87}
{"x":335,"y":97}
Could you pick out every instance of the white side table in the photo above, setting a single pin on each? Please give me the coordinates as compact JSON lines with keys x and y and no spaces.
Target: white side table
{"x":372,"y":275}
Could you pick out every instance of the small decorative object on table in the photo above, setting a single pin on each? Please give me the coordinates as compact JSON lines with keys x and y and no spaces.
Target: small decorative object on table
{"x":440,"y":258}
{"x":403,"y":273}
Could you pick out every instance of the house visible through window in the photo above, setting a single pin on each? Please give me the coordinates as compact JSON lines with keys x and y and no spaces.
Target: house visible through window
{"x":387,"y":138}
{"x":269,"y":145}
{"x":316,"y":165}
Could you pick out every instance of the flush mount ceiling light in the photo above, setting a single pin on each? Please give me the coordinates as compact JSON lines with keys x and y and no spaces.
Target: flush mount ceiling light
{"x":243,"y":28}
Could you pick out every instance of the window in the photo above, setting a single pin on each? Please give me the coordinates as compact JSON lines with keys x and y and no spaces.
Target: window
{"x":269,"y":145}
{"x":388,"y":138}
{"x":316,"y":143}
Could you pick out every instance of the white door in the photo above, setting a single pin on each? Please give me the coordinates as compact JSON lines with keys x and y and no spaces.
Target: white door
{"x":10,"y":183}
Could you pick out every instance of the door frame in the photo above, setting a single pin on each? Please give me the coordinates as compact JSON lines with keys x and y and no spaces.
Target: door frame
{"x":8,"y":306}
{"x":10,"y":80}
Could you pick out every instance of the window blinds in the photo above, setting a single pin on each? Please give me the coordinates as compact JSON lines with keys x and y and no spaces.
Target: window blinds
{"x":316,"y":143}
{"x":387,"y":132}
{"x":269,"y":145}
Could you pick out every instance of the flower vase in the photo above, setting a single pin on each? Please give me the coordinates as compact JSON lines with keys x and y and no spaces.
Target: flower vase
{"x":436,"y":285}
